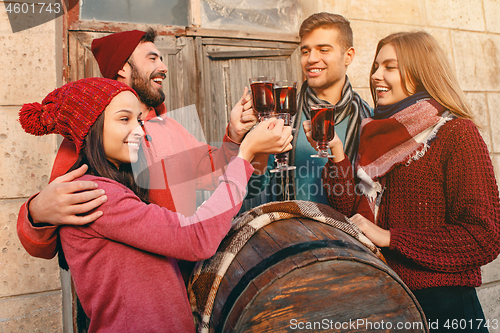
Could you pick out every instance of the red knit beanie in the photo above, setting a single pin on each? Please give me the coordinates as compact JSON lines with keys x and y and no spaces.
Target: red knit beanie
{"x":113,"y":51}
{"x":72,"y":109}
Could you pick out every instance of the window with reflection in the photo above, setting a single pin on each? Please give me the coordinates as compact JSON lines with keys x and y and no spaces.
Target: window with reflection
{"x":255,"y":15}
{"x":280,"y":16}
{"x":164,"y":12}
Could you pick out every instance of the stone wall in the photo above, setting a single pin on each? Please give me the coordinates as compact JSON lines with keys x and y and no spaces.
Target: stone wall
{"x":30,"y":289}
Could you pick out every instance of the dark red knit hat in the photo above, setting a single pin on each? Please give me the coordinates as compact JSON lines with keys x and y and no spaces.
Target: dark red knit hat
{"x":112,"y":51}
{"x":72,"y":109}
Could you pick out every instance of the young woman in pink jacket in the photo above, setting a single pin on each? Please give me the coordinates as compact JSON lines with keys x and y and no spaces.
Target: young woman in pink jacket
{"x":124,"y":265}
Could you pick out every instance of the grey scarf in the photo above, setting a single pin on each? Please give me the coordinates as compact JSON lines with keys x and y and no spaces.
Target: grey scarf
{"x":350,"y":104}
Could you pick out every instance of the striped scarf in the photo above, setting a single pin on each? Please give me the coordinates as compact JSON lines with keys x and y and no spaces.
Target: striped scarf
{"x":350,"y":104}
{"x":400,"y":139}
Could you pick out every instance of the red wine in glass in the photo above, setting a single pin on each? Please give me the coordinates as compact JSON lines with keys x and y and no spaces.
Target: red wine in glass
{"x":285,"y":99}
{"x":263,"y":98}
{"x":323,"y":127}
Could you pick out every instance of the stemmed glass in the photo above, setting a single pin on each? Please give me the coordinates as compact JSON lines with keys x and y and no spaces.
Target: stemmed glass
{"x":323,"y":127}
{"x":285,"y":99}
{"x":263,"y":98}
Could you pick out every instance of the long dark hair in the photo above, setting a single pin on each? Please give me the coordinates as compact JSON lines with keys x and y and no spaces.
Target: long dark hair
{"x":92,"y":154}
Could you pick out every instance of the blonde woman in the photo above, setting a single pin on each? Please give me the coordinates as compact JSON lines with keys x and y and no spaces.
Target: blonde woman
{"x":425,"y":189}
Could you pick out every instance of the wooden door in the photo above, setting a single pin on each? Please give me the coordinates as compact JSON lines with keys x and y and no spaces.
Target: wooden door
{"x":226,"y":65}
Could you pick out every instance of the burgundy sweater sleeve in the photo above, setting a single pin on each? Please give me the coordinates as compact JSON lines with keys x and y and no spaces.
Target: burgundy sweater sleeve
{"x":471,"y":236}
{"x":339,"y":185}
{"x":158,"y":230}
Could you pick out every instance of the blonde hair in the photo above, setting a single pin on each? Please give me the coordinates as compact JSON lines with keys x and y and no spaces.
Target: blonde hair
{"x":424,"y":66}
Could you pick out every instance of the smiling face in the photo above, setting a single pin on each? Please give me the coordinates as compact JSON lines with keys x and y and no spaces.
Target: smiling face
{"x":386,"y":77}
{"x":324,"y":60}
{"x":145,"y":72}
{"x":122,"y":133}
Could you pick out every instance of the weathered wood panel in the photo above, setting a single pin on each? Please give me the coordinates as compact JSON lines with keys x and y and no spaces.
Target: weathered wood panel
{"x":241,"y":35}
{"x":229,"y":63}
{"x":81,"y":60}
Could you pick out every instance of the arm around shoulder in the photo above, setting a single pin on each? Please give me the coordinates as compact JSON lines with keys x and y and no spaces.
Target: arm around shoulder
{"x":40,"y":242}
{"x":158,"y":230}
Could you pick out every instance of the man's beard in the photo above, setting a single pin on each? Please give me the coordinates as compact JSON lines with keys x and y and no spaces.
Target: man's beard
{"x":142,"y":86}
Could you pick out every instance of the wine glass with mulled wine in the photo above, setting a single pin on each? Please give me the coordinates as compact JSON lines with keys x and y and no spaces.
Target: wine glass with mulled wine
{"x":285,"y":100}
{"x":263,"y":97}
{"x":323,"y":127}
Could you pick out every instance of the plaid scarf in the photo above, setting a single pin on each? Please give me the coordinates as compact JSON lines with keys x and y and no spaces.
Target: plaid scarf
{"x":399,"y":139}
{"x":350,"y":104}
{"x":208,"y":274}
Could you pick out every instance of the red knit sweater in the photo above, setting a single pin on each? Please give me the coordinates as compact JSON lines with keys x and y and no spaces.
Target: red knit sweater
{"x":443,"y":209}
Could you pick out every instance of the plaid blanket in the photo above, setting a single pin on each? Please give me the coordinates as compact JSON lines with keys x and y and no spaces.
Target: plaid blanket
{"x":208,"y":274}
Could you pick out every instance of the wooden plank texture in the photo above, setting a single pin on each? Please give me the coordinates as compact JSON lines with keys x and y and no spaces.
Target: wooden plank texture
{"x":285,"y":279}
{"x":194,"y":31}
{"x":337,"y":291}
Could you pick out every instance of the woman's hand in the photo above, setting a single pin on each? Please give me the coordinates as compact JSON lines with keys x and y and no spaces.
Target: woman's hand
{"x":335,"y":145}
{"x":269,"y":136}
{"x":379,"y":236}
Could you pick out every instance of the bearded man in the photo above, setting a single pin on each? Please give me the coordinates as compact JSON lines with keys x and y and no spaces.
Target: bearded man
{"x":132,"y":58}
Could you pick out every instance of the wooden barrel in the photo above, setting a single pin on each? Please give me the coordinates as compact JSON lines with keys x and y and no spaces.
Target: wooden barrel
{"x":300,"y":274}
